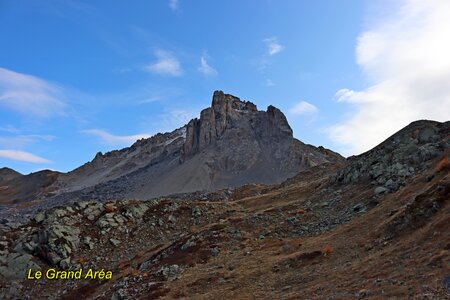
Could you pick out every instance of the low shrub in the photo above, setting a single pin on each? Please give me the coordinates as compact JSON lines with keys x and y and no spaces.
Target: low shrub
{"x":327,"y":250}
{"x":443,"y":164}
{"x":109,"y":208}
{"x":301,"y":211}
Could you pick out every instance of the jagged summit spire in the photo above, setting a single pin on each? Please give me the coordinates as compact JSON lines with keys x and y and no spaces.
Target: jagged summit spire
{"x":228,"y":111}
{"x":221,"y":100}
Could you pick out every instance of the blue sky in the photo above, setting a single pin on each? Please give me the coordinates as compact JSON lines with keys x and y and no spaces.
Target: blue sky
{"x":78,"y":77}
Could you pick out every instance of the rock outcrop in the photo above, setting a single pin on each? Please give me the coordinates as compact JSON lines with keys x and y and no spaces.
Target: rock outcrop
{"x":405,"y":154}
{"x":225,"y":112}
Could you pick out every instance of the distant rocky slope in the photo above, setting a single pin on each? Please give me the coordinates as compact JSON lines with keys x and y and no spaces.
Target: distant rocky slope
{"x":231,"y":144}
{"x":7,"y":174}
{"x":16,"y":188}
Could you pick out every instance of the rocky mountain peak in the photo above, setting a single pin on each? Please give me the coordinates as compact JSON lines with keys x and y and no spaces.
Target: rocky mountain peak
{"x":232,"y":143}
{"x":226,"y":112}
{"x":221,"y":103}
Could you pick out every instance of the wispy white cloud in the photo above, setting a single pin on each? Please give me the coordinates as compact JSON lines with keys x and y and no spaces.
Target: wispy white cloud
{"x":205,"y":68}
{"x":30,"y":95}
{"x":405,"y":55}
{"x":21,"y":141}
{"x":273,"y":46}
{"x":111,"y":139}
{"x":9,"y":129}
{"x":149,"y":100}
{"x":171,"y":118}
{"x":265,"y":60}
{"x":122,"y":70}
{"x":175,"y":118}
{"x":174,"y":4}
{"x":303,"y":108}
{"x":261,"y":63}
{"x":23,"y":156}
{"x":14,"y":145}
{"x":269,"y":82}
{"x":166,"y":64}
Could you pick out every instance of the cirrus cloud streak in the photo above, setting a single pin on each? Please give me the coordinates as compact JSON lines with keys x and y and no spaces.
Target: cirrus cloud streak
{"x":30,"y":95}
{"x":111,"y":139}
{"x":23,"y":156}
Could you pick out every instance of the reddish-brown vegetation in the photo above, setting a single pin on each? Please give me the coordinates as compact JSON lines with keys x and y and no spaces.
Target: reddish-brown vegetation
{"x":109,"y":208}
{"x":443,"y":164}
{"x":327,"y":250}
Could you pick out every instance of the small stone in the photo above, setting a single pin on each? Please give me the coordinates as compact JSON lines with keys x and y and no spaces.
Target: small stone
{"x":446,"y":283}
{"x":363,"y":293}
{"x":87,"y":242}
{"x":174,"y":269}
{"x":114,"y":242}
{"x":359,"y":208}
{"x":13,"y":225}
{"x":53,"y":258}
{"x":215,"y":251}
{"x":188,"y":244}
{"x":69,"y":209}
{"x":39,"y":217}
{"x":82,"y":204}
{"x":30,"y":246}
{"x":196,"y":212}
{"x":380,"y":190}
{"x":65,"y":263}
{"x":170,"y":271}
{"x":136,"y":211}
{"x":391,"y":185}
{"x":59,"y":213}
{"x":103,"y":223}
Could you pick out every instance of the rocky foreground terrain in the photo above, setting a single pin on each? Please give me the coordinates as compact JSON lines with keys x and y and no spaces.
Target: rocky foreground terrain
{"x":375,"y":226}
